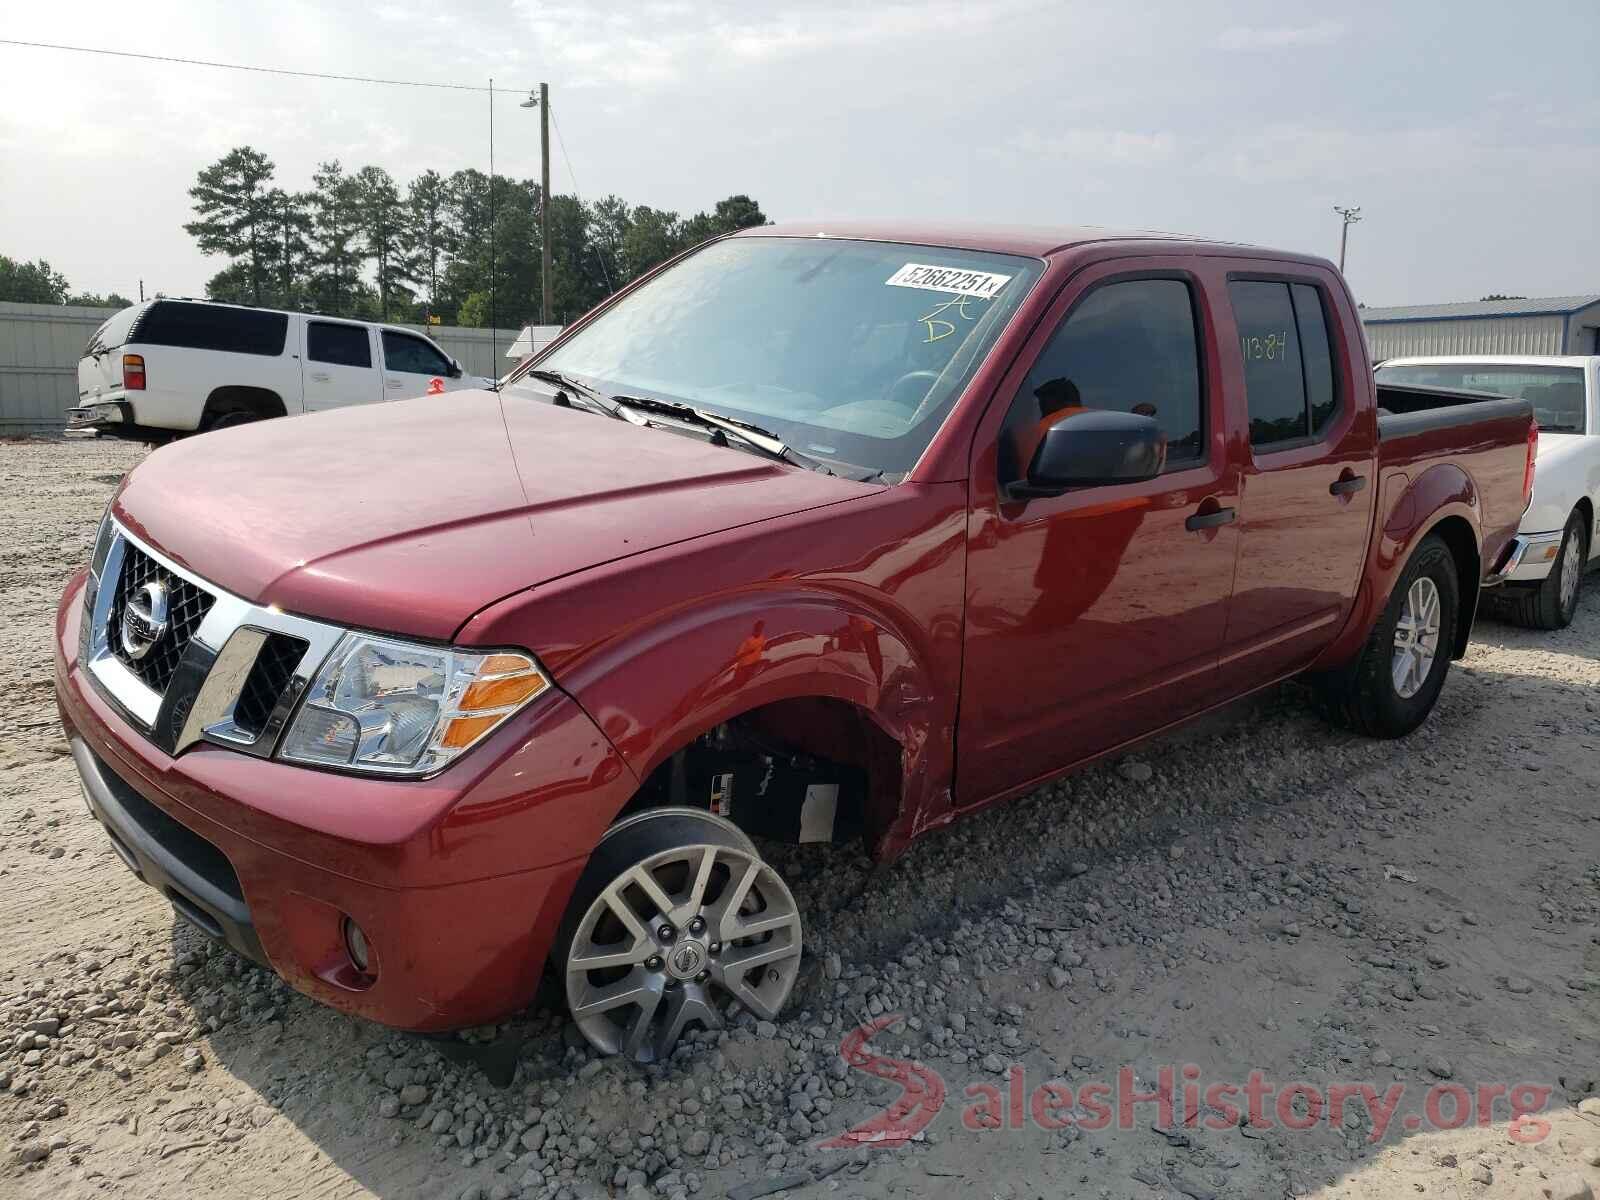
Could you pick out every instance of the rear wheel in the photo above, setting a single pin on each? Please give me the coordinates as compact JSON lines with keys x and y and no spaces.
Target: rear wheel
{"x":1552,"y":604}
{"x":227,"y":418}
{"x":1392,"y":687}
{"x":675,"y":915}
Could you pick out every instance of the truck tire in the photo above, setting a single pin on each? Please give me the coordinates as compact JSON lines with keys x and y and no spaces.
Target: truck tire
{"x":227,"y":418}
{"x":674,"y":915}
{"x":1553,"y":602}
{"x":1391,"y":688}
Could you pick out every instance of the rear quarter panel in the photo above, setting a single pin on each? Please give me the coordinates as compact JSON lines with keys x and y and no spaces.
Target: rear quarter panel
{"x":1469,"y":473}
{"x":179,"y":379}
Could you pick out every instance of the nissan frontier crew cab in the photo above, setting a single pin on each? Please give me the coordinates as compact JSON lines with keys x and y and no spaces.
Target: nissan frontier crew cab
{"x":809,"y":535}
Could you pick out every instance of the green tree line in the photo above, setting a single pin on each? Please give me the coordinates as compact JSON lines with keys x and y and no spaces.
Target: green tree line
{"x":356,"y":243}
{"x":36,"y":283}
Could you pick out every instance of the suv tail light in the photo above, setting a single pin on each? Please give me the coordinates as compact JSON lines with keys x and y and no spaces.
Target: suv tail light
{"x":1527,"y":474}
{"x":133,"y":373}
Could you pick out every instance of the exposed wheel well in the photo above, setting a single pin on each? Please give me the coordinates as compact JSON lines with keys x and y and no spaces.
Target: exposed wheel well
{"x":782,"y":749}
{"x":260,"y":403}
{"x":1457,"y":536}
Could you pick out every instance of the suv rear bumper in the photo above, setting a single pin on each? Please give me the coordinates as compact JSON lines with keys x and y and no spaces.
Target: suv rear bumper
{"x":113,"y":418}
{"x":452,"y":945}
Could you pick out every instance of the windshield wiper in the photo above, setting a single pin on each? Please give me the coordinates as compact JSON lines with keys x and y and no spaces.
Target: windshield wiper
{"x":592,"y":397}
{"x":763,"y":440}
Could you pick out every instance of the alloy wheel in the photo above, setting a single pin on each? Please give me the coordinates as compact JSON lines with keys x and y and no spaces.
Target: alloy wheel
{"x":1571,"y":572}
{"x":672,"y":939}
{"x":1416,"y":638}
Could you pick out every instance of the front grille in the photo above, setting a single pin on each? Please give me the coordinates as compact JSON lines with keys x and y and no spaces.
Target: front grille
{"x":187,"y":605}
{"x":273,"y":669}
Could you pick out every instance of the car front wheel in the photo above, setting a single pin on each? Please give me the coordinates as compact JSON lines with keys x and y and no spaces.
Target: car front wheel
{"x":675,"y":921}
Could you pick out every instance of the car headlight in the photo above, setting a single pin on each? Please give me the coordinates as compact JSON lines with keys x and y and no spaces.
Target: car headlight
{"x":396,"y":708}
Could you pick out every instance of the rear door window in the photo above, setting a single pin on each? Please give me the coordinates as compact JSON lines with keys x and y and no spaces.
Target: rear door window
{"x":412,"y":355}
{"x":341,"y":345}
{"x":1127,"y":346}
{"x":1288,"y":359}
{"x":212,"y":327}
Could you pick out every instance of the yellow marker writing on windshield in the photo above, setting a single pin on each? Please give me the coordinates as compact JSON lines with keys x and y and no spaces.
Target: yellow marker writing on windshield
{"x":934,"y":322}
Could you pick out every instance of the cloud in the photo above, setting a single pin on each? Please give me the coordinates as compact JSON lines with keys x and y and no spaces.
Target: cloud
{"x":1246,"y":37}
{"x":1114,"y":147}
{"x":658,"y":44}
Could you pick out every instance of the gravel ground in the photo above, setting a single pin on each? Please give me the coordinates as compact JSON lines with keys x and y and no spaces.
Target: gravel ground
{"x":1261,"y":893}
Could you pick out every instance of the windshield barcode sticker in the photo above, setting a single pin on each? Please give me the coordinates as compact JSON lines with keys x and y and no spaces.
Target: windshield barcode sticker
{"x":982,"y":284}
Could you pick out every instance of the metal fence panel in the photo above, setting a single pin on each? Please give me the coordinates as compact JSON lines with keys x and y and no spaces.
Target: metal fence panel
{"x":40,"y":345}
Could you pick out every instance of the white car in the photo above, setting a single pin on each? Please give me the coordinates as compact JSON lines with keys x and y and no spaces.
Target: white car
{"x":169,"y":367}
{"x":1556,"y":541}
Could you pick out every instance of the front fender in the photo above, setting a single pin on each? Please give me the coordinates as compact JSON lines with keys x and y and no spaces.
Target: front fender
{"x":661,"y":687}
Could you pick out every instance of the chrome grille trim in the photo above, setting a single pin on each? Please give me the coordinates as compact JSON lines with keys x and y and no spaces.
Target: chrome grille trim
{"x":199,"y":701}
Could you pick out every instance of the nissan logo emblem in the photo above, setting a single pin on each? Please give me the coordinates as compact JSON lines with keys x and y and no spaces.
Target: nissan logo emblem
{"x":144,"y":619}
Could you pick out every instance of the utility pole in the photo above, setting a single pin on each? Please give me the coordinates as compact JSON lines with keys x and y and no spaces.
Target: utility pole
{"x":542,"y":103}
{"x":1351,"y":216}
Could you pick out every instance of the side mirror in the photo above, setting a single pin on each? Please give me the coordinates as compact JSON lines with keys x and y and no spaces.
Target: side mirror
{"x":1094,"y":447}
{"x":455,"y":369}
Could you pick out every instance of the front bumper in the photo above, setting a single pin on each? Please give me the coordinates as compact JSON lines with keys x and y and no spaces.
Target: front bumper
{"x":1530,"y":558}
{"x":459,"y":882}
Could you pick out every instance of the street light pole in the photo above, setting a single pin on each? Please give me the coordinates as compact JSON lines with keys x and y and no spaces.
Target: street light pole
{"x":542,"y":103}
{"x":544,"y":203}
{"x":1351,"y":216}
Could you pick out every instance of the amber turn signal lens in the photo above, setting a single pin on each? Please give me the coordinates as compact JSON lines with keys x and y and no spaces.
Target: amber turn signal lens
{"x":504,"y":664}
{"x":463,"y":731}
{"x":501,"y":693}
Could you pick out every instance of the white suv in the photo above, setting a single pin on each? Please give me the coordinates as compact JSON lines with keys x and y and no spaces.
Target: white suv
{"x":170,"y":367}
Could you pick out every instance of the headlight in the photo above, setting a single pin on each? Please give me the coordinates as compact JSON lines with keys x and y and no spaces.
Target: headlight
{"x":395,"y":708}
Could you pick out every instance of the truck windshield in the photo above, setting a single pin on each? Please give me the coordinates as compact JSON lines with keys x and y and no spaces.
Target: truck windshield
{"x":851,"y":352}
{"x":1556,"y":392}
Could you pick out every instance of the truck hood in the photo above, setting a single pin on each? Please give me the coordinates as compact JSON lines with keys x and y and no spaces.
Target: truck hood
{"x":410,"y":516}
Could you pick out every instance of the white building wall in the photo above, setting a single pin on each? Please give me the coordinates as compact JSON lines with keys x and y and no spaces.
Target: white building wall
{"x":1583,"y":331}
{"x":1479,"y":335}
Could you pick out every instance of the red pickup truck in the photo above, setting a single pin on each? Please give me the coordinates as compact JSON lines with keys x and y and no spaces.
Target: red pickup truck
{"x":808,"y":535}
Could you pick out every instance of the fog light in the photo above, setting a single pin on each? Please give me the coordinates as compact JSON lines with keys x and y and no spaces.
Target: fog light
{"x":355,"y":943}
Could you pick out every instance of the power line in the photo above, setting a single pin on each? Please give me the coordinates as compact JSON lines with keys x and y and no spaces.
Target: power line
{"x":203,"y":62}
{"x":577,"y":192}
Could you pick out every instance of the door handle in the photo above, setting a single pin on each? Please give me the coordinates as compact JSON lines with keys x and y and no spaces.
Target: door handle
{"x":319,"y":376}
{"x":397,"y":383}
{"x":1347,"y":485}
{"x":1210,"y":520}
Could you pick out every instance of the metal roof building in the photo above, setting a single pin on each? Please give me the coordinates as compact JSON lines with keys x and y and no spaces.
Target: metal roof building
{"x":1551,"y":325}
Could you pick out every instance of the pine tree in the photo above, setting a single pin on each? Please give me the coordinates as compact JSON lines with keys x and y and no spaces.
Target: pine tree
{"x":433,"y":236}
{"x":386,"y":237}
{"x":336,"y":225}
{"x":231,"y":211}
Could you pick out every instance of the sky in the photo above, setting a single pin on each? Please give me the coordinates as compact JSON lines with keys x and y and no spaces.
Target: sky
{"x":1468,"y":131}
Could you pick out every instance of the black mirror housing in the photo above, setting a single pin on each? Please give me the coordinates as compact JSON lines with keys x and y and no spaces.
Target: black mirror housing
{"x":1094,"y":447}
{"x":455,"y":370}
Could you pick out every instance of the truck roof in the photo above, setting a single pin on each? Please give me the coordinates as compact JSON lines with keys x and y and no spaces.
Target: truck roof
{"x":1035,"y":241}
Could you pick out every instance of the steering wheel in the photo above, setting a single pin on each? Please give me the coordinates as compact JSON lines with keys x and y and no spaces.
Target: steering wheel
{"x":899,"y":391}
